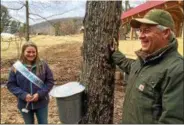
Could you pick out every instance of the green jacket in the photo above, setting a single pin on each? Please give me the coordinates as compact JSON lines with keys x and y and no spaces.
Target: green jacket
{"x":155,"y":90}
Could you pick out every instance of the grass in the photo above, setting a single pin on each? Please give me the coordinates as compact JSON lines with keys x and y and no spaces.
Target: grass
{"x":42,"y":41}
{"x":4,"y":77}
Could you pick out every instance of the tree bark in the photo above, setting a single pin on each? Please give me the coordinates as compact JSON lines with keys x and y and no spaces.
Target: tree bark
{"x":101,"y":25}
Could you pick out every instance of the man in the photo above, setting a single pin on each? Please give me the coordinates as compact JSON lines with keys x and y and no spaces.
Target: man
{"x":155,"y":89}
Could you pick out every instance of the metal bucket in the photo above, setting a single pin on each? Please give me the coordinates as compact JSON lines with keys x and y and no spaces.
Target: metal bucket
{"x":69,"y":102}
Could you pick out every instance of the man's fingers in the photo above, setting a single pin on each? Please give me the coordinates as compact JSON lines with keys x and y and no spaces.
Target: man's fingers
{"x":115,"y":44}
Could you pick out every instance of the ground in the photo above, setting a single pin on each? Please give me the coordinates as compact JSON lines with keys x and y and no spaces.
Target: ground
{"x":64,"y":60}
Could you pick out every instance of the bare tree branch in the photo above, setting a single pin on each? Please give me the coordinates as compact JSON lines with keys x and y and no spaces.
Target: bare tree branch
{"x":16,"y":8}
{"x":60,"y":13}
{"x":39,"y":5}
{"x":32,"y":18}
{"x":43,"y":18}
{"x":20,"y":2}
{"x":16,"y":19}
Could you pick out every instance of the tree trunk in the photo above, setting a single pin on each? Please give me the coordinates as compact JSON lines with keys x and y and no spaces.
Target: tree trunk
{"x":101,"y":25}
{"x":27,"y":21}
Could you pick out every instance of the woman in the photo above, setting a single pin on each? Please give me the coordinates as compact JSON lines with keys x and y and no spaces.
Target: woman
{"x":32,"y":98}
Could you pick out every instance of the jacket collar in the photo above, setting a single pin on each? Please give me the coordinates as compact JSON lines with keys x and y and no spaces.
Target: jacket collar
{"x":30,"y":66}
{"x":159,"y":53}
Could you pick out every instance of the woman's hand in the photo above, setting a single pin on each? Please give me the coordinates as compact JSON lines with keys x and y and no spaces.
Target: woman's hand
{"x":35,"y":97}
{"x":29,"y":97}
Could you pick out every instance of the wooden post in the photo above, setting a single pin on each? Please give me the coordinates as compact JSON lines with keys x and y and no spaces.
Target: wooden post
{"x":131,"y":33}
{"x":182,"y":32}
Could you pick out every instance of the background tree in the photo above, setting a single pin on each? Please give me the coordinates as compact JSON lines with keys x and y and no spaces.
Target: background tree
{"x":5,"y":18}
{"x":101,"y":25}
{"x":22,"y":29}
{"x":27,"y":20}
{"x":125,"y":29}
{"x":14,"y":26}
{"x":57,"y":29}
{"x":68,"y":27}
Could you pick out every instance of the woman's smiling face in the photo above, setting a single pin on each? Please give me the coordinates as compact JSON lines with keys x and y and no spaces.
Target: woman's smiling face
{"x":30,"y":54}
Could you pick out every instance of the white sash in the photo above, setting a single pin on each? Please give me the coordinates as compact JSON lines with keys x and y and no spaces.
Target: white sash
{"x":29,"y":75}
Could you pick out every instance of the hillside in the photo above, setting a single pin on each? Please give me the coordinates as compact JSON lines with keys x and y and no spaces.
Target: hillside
{"x":47,"y":27}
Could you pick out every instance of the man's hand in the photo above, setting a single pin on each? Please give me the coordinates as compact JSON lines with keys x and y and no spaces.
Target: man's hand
{"x":114,"y":45}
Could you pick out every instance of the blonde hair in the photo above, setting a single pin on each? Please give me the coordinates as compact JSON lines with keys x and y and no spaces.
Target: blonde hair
{"x":37,"y":61}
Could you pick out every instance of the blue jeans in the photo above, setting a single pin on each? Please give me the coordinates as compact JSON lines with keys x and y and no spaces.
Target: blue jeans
{"x":41,"y":114}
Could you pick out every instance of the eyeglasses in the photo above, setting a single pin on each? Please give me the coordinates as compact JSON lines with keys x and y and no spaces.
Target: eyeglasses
{"x":144,"y":31}
{"x":149,"y":29}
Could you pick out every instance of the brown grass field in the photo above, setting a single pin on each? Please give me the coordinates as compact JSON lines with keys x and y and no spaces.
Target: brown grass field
{"x":42,"y":41}
{"x":128,"y":47}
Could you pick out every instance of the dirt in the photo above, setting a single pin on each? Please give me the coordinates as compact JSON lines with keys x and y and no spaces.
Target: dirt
{"x":64,"y":60}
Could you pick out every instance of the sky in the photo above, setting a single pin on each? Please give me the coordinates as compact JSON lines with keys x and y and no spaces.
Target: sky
{"x":49,"y":9}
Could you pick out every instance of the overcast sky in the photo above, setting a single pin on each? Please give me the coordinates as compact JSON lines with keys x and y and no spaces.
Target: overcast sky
{"x":49,"y":8}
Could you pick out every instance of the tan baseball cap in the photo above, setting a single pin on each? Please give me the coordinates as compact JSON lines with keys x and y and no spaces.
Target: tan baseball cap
{"x":154,"y":17}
